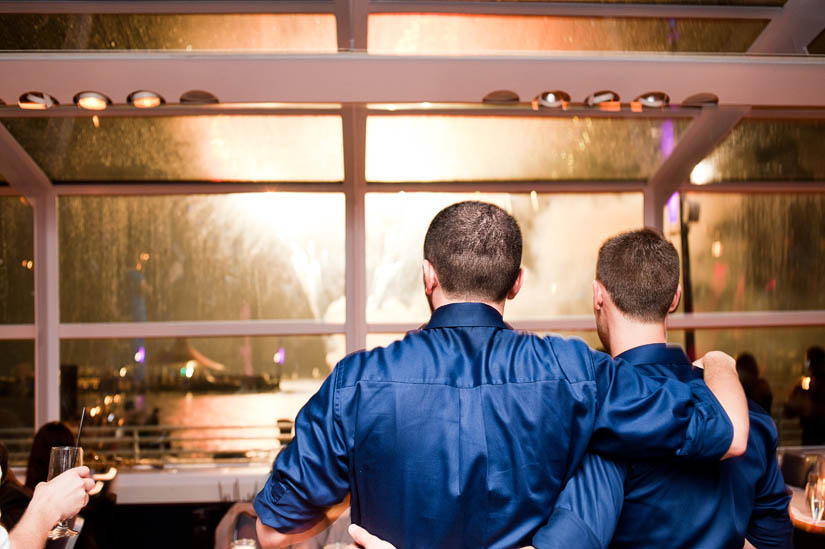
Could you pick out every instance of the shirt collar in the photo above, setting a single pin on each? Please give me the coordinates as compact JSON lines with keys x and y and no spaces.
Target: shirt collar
{"x":457,"y":315}
{"x":656,"y":353}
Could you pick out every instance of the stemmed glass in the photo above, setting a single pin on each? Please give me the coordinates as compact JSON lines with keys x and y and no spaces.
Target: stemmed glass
{"x":815,"y":495}
{"x":63,"y":458}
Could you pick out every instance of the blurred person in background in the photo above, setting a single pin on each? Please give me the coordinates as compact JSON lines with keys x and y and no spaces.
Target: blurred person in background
{"x":756,"y":387}
{"x":807,"y":399}
{"x":14,"y":497}
{"x":47,"y":437}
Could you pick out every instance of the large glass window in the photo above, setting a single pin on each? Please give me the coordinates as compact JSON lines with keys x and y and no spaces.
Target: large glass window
{"x":483,"y":148}
{"x":445,"y":34}
{"x":780,"y":356}
{"x":202,"y":257}
{"x":16,"y":261}
{"x":561,"y":232}
{"x":185,"y":148}
{"x":121,"y":31}
{"x":767,"y":150}
{"x":16,"y":385}
{"x":752,"y":251}
{"x":203,"y":384}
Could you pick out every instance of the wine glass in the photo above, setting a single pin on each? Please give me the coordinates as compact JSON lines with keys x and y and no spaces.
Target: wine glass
{"x":815,"y":495}
{"x":63,"y":458}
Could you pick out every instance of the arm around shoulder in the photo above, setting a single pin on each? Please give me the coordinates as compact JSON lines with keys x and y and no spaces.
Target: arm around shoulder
{"x":723,"y":381}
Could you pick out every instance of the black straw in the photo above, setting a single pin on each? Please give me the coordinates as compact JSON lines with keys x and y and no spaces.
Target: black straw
{"x":80,"y":427}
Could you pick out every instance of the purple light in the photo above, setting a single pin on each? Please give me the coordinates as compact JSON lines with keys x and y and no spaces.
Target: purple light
{"x":672,"y":208}
{"x":667,"y":140}
{"x":140,"y":355}
{"x":279,"y":357}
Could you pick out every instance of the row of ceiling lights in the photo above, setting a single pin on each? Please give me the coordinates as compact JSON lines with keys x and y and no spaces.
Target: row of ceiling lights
{"x":144,"y":99}
{"x":605,"y":99}
{"x":96,"y":101}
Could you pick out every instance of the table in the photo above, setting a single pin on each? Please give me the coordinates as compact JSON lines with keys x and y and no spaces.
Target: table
{"x":800,"y":512}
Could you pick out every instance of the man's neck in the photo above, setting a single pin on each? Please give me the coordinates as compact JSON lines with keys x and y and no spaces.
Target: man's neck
{"x":439,"y":299}
{"x":625,"y":334}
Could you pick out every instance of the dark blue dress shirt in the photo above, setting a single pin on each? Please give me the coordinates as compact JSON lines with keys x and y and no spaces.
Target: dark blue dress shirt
{"x":670,"y":503}
{"x":462,"y":433}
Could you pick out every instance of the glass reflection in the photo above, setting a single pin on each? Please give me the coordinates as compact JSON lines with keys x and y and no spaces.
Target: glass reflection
{"x":202,"y":257}
{"x":446,"y":34}
{"x":16,"y":387}
{"x":757,"y":252}
{"x":185,"y":148}
{"x":118,"y":31}
{"x":16,"y":261}
{"x":478,"y":148}
{"x":769,"y":150}
{"x":561,"y":240}
{"x":200,"y":383}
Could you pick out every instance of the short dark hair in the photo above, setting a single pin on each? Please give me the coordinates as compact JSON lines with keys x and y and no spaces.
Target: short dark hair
{"x":640,"y":270}
{"x":475,"y":248}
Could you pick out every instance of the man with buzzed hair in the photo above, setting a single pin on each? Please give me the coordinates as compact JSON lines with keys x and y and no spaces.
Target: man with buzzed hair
{"x":462,"y":433}
{"x":664,"y":503}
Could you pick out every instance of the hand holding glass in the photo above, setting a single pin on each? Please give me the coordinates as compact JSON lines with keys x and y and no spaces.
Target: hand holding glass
{"x":63,"y":458}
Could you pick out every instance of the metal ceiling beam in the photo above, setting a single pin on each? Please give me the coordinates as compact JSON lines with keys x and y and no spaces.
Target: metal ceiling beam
{"x":172,"y":7}
{"x":593,"y":9}
{"x":18,"y":168}
{"x":701,"y":137}
{"x":577,"y":9}
{"x":358,"y":77}
{"x":791,"y":31}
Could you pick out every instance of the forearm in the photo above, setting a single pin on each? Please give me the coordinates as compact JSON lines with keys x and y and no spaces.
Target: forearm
{"x":723,"y":382}
{"x":31,"y":531}
{"x":270,"y":537}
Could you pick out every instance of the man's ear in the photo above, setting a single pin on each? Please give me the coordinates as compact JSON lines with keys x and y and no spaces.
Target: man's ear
{"x":430,"y":277}
{"x":516,"y":285}
{"x":599,"y":293}
{"x":677,"y":297}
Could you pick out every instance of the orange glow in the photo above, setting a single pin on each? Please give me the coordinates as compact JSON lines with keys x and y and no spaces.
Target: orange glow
{"x":635,"y":106}
{"x":716,"y":248}
{"x":805,"y":382}
{"x":96,"y":121}
{"x":29,"y":264}
{"x":612,"y":106}
{"x":144,"y":256}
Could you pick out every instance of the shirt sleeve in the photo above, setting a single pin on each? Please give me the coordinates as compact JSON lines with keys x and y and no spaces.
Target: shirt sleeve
{"x":588,"y":509}
{"x":4,"y":539}
{"x":770,"y":524}
{"x":655,"y":416}
{"x":311,"y":473}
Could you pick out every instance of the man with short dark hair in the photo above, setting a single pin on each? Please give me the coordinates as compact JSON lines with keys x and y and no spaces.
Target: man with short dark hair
{"x":462,"y":433}
{"x":664,"y":503}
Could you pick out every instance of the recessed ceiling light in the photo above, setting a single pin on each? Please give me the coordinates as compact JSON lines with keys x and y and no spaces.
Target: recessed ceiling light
{"x":600,"y":98}
{"x":553,"y":99}
{"x":198,"y":97}
{"x":36,"y":101}
{"x":501,"y":97}
{"x":653,"y":100}
{"x":92,"y":101}
{"x":145,"y":99}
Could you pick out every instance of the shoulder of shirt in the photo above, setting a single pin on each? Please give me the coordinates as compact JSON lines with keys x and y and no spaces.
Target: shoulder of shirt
{"x":568,"y":358}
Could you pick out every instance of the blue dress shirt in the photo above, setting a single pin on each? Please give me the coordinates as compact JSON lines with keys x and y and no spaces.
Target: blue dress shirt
{"x":462,"y":433}
{"x":670,"y":503}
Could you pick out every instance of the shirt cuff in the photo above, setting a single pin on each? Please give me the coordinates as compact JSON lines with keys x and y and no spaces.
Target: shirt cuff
{"x":710,"y":431}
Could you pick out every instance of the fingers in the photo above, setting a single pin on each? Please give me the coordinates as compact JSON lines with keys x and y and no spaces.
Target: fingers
{"x":82,"y":471}
{"x":367,"y":540}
